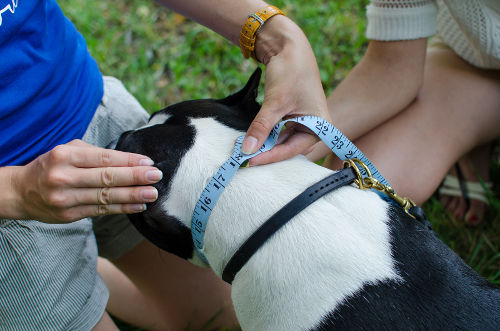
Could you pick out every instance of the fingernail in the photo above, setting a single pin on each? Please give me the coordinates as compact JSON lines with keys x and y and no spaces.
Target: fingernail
{"x":146,"y":162}
{"x":249,"y":145}
{"x":139,"y":207}
{"x":149,"y":194}
{"x":154,"y":175}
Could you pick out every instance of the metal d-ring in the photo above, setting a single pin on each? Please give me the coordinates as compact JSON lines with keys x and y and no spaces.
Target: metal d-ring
{"x":359,"y":181}
{"x":369,"y":182}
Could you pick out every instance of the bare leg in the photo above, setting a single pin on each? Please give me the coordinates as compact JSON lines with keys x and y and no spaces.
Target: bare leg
{"x":456,"y":110}
{"x":126,"y":302}
{"x":105,"y":324}
{"x":185,"y":295}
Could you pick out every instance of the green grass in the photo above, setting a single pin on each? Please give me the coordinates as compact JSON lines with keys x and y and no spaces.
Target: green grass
{"x":163,"y":58}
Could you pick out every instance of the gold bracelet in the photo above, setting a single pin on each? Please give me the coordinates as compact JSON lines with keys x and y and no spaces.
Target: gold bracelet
{"x":252,"y":26}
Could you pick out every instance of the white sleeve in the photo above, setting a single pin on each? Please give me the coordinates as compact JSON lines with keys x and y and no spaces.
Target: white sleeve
{"x":390,"y":20}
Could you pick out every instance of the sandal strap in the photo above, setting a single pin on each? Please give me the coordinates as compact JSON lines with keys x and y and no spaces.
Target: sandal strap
{"x":478,"y":196}
{"x":475,"y":190}
{"x":451,"y":182}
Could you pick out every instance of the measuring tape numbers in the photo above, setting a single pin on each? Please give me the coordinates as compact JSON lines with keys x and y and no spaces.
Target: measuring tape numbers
{"x":329,"y":134}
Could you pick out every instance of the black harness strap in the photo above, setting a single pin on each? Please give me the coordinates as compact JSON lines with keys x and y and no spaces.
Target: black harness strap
{"x":282,"y":216}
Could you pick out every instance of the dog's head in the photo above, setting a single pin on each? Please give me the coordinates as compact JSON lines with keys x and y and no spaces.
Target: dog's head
{"x":188,"y":142}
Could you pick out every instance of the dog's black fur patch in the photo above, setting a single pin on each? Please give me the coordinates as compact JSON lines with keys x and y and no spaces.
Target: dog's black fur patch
{"x":162,"y":229}
{"x":439,"y":291}
{"x":236,"y":111}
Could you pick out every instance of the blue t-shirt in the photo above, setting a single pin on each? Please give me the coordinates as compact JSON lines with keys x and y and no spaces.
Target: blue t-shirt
{"x":50,"y":87}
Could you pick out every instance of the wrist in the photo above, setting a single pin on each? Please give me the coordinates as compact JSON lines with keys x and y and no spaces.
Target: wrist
{"x":278,"y":34}
{"x":10,"y":197}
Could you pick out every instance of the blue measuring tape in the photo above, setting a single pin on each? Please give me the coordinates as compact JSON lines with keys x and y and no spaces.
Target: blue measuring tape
{"x":329,"y":134}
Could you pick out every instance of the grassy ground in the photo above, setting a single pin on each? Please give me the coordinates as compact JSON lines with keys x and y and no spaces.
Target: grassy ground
{"x":163,"y":58}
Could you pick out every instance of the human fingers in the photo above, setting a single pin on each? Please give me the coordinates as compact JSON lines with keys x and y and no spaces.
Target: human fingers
{"x":299,"y":141}
{"x":102,"y":196}
{"x":112,"y":176}
{"x":292,"y":82}
{"x":279,"y":102}
{"x":42,"y":188}
{"x":259,"y":129}
{"x":79,"y":212}
{"x":83,"y":155}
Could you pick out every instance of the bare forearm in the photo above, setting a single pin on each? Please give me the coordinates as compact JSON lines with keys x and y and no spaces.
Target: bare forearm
{"x":223,"y":16}
{"x":382,"y":84}
{"x":226,"y":17}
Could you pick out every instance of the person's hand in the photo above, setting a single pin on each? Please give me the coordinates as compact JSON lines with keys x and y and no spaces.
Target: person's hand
{"x":78,"y":180}
{"x":292,"y":88}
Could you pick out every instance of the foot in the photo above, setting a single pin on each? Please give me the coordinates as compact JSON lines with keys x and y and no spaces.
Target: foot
{"x":464,"y":190}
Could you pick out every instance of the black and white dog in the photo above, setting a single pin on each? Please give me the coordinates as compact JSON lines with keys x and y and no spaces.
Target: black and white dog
{"x":349,"y":261}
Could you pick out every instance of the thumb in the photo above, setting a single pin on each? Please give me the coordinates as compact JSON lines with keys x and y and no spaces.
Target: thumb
{"x":260,"y":129}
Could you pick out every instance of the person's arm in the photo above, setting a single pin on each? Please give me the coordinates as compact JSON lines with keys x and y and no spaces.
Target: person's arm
{"x":390,"y":74}
{"x":292,"y":84}
{"x":77,"y":180}
{"x":383,"y":83}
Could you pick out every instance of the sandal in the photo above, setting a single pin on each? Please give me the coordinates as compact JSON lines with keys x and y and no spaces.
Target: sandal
{"x":468,"y":190}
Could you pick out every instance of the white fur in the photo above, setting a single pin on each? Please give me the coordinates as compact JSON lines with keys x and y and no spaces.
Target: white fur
{"x":322,"y":256}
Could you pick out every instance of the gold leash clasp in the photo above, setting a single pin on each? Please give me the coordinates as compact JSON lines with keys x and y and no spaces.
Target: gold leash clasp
{"x":369,"y":182}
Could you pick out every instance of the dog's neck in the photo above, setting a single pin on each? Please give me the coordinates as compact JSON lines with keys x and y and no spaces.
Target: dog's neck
{"x":281,"y":265}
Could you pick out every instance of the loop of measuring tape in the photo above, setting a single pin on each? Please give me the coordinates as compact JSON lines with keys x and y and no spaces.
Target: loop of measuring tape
{"x":329,"y":134}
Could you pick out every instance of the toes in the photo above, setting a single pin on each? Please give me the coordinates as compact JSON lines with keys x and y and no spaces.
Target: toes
{"x":458,"y":207}
{"x":472,"y":219}
{"x":475,"y":213}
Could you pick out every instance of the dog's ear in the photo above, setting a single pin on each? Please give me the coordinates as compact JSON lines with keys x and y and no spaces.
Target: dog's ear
{"x":245,"y":98}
